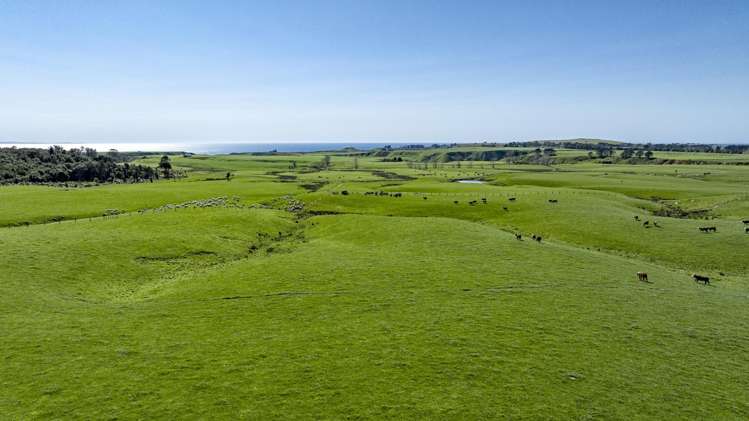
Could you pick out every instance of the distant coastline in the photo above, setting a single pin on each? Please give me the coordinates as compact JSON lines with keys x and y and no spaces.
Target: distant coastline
{"x":212,"y":148}
{"x":304,"y":147}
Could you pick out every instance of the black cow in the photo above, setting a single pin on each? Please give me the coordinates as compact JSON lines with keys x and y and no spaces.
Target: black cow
{"x":518,"y":237}
{"x":512,"y":199}
{"x":553,"y":200}
{"x":699,"y":278}
{"x":642,"y":276}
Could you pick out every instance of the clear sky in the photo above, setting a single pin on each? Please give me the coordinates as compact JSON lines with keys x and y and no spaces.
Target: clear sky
{"x":391,"y":71}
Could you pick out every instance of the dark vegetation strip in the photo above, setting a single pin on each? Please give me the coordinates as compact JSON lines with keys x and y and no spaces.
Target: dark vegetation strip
{"x":58,"y":165}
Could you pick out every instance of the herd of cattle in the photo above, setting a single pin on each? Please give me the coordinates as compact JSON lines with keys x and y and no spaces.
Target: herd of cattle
{"x":715,"y":229}
{"x":647,"y":224}
{"x":643,"y":276}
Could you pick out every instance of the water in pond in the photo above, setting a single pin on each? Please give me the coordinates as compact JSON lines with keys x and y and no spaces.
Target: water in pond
{"x":471,"y":181}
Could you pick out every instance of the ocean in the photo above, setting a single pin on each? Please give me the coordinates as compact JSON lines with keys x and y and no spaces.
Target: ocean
{"x":212,"y":148}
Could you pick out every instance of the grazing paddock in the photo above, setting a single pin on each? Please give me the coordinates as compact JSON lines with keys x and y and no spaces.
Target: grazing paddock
{"x":382,"y":291}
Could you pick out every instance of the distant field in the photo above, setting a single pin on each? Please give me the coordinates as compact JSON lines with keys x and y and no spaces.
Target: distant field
{"x":379,"y":289}
{"x":702,"y":156}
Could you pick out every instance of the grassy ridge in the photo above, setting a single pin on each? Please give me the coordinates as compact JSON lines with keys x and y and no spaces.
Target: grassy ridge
{"x":39,"y":204}
{"x":608,"y":220}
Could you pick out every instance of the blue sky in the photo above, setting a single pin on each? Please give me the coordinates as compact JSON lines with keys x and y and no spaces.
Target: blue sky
{"x":373,"y":71}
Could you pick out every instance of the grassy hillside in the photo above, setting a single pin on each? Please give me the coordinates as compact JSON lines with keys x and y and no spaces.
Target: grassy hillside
{"x":364,"y":291}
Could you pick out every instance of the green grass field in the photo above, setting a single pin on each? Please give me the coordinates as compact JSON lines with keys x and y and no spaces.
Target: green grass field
{"x":290,"y":299}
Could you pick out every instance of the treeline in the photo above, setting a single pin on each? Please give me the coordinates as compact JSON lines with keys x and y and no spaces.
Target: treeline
{"x":659,"y":147}
{"x":487,"y":155}
{"x":58,"y":165}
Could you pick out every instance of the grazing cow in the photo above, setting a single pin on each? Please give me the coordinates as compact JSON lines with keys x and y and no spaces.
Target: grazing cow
{"x":746,"y":230}
{"x":512,"y":199}
{"x":708,"y":229}
{"x":504,"y":208}
{"x":746,"y":221}
{"x":538,"y":238}
{"x":553,"y":200}
{"x":699,"y":278}
{"x":646,"y":224}
{"x":637,"y":218}
{"x":642,"y":276}
{"x":518,"y":237}
{"x":455,"y":201}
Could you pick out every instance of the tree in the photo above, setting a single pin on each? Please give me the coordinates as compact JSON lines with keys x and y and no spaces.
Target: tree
{"x":627,"y":153}
{"x":603,"y":151}
{"x":649,"y":154}
{"x":326,"y":162}
{"x":166,"y":166}
{"x":356,"y":163}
